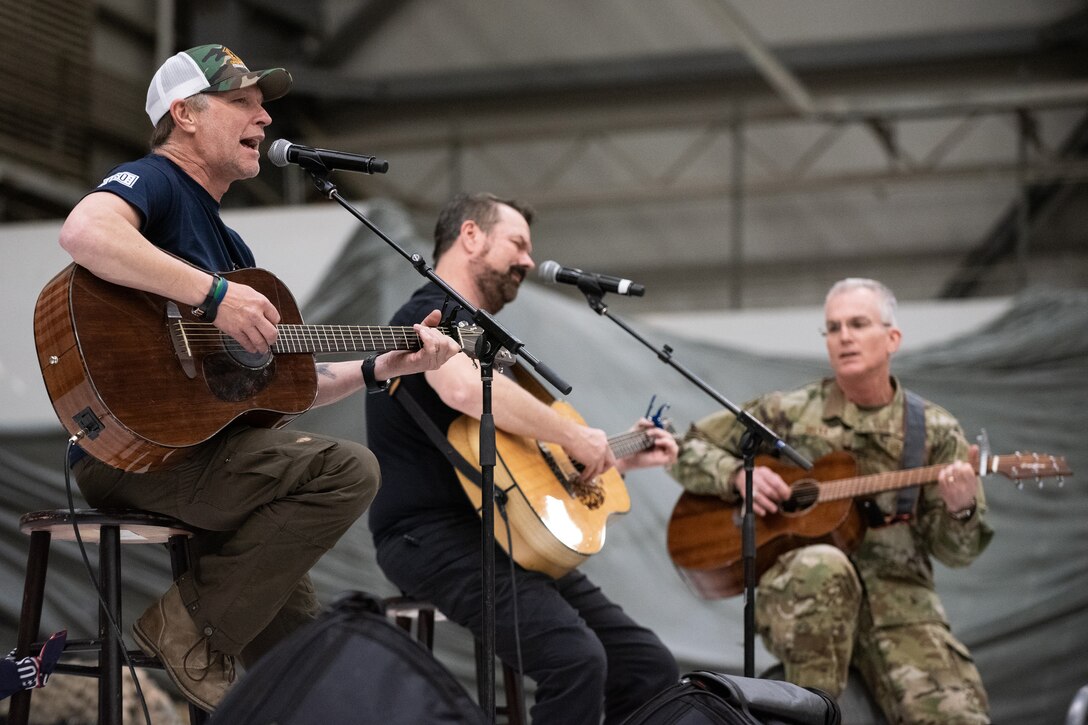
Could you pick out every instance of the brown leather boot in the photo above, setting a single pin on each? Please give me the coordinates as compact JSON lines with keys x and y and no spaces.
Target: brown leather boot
{"x":166,"y":631}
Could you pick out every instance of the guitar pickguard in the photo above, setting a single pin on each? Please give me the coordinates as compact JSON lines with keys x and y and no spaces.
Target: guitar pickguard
{"x":231,"y":381}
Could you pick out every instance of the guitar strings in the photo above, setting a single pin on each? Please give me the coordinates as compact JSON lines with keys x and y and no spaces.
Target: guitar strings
{"x":877,"y":482}
{"x":630,"y":442}
{"x":345,"y":338}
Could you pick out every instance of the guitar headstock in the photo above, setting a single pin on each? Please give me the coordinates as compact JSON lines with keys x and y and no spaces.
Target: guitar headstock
{"x":1023,"y":466}
{"x":468,"y":336}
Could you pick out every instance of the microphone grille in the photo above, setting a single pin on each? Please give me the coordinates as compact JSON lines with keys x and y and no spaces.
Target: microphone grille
{"x":277,"y":152}
{"x":548,"y":270}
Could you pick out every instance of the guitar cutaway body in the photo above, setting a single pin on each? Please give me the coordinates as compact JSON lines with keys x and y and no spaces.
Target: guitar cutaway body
{"x":554,"y":529}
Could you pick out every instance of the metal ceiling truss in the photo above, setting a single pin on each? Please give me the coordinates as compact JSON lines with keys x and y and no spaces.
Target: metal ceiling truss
{"x":642,"y":181}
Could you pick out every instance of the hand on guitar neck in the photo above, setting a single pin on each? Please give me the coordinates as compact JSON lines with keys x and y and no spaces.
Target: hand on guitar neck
{"x":957,"y":483}
{"x":662,"y":450}
{"x":649,"y":443}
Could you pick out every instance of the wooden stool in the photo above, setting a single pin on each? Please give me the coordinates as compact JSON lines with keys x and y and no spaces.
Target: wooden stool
{"x":108,"y":529}
{"x":405,"y":610}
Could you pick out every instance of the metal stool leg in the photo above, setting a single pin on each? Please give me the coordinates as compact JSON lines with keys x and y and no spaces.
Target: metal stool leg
{"x":110,"y":658}
{"x":515,"y":696}
{"x":30,"y":619}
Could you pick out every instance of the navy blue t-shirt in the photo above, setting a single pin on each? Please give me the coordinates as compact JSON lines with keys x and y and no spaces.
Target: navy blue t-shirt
{"x":178,"y":214}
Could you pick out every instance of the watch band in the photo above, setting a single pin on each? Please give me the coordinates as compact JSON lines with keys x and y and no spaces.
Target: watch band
{"x":964,"y":514}
{"x":372,"y":385}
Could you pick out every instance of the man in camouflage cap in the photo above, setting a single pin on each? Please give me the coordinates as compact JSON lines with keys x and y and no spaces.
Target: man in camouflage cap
{"x":208,"y":69}
{"x":268,"y":502}
{"x":820,"y":610}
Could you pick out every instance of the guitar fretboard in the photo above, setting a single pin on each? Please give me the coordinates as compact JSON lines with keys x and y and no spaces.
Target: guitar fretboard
{"x":877,"y":482}
{"x":345,"y":338}
{"x":631,"y":442}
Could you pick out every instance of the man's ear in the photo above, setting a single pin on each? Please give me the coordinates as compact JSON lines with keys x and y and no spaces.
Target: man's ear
{"x":471,"y":236}
{"x":895,"y":338}
{"x":183,"y":116}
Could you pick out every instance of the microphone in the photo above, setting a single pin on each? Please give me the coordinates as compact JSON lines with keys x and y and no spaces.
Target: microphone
{"x":552,"y":272}
{"x":283,"y":152}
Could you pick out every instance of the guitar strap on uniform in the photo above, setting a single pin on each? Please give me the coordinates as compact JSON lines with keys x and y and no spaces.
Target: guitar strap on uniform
{"x":914,"y":451}
{"x":402,"y":396}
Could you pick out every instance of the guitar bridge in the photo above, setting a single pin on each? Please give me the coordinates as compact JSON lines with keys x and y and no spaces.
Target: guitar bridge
{"x":182,"y":347}
{"x":590,"y":495}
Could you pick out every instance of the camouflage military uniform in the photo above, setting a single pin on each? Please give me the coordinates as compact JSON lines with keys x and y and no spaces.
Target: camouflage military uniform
{"x":820,"y":611}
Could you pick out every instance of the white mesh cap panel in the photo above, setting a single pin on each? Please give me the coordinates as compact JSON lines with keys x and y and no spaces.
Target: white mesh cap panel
{"x":179,"y":77}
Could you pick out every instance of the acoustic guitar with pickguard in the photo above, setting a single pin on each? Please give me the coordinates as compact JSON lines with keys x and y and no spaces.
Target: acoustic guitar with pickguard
{"x":141,"y":381}
{"x":704,"y":532}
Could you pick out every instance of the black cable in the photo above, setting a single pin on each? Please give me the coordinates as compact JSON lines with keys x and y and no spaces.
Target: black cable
{"x":94,"y":580}
{"x":513,"y":570}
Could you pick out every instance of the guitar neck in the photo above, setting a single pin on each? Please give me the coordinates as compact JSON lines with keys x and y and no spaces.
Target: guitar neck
{"x":626,"y":444}
{"x":877,"y":483}
{"x":345,"y":338}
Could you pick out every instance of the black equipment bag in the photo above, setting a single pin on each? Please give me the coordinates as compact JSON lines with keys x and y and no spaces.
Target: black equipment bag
{"x":701,"y":698}
{"x":351,"y":665}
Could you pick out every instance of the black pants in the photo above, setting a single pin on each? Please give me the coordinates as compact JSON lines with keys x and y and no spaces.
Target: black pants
{"x":585,"y":654}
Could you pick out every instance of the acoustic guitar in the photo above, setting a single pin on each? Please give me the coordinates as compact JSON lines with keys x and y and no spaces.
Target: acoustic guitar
{"x":556,"y":521}
{"x":141,"y":381}
{"x":704,"y":533}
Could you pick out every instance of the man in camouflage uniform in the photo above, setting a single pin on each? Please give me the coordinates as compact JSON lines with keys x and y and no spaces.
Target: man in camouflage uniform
{"x":818,"y":609}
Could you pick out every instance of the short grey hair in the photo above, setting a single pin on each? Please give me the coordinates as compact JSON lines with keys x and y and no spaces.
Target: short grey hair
{"x":165,"y":126}
{"x":888,"y":303}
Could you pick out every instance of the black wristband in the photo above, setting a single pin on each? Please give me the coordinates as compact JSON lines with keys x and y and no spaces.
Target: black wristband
{"x":210,"y":306}
{"x":372,"y":385}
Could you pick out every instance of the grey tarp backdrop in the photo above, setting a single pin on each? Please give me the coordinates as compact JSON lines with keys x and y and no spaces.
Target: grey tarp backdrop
{"x":1022,"y":607}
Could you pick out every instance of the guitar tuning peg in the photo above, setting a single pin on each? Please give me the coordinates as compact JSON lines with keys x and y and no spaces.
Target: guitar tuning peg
{"x":984,"y":452}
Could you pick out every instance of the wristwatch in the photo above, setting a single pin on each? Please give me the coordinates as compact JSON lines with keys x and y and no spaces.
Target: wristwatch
{"x":964,"y":514}
{"x":372,"y":385}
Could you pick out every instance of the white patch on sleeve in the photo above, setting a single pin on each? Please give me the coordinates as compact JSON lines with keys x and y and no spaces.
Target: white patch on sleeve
{"x":127,"y":178}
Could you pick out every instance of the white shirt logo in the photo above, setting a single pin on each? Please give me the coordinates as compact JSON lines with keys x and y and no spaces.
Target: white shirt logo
{"x":127,"y":178}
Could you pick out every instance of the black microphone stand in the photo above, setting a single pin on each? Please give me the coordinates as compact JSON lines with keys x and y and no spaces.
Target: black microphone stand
{"x":493,"y":339}
{"x":756,"y":434}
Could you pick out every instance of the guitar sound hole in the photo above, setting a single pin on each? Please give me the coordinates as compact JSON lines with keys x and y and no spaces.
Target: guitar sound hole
{"x":803,"y":496}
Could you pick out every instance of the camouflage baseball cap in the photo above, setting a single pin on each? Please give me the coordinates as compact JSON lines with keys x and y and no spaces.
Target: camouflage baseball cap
{"x":208,"y":69}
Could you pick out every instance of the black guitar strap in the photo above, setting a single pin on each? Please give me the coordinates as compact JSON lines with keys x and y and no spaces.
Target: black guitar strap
{"x":914,"y":451}
{"x":402,"y":396}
